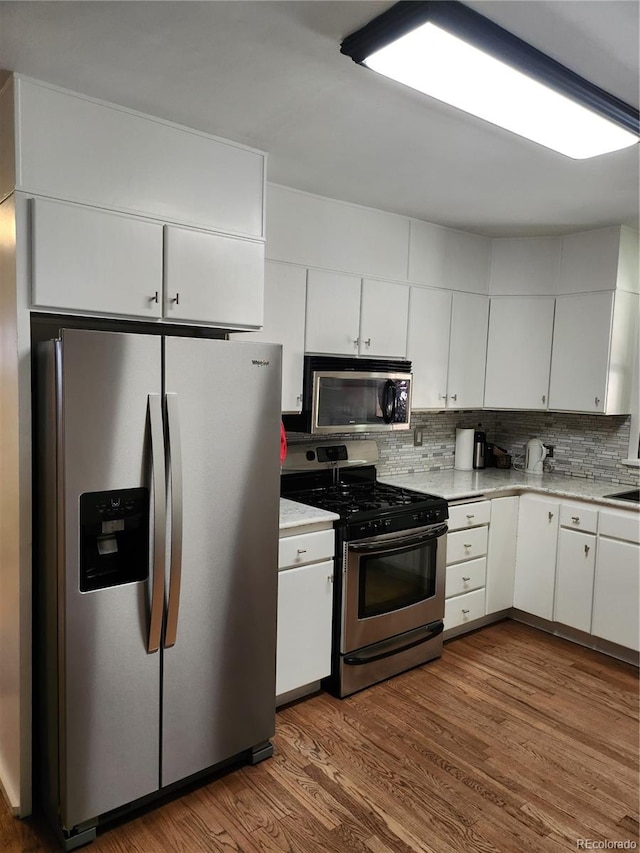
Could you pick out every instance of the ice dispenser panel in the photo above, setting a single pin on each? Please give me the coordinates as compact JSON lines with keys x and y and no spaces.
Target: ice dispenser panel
{"x":114,"y":538}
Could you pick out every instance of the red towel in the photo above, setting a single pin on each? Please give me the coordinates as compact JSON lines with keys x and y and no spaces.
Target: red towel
{"x":283,"y":443}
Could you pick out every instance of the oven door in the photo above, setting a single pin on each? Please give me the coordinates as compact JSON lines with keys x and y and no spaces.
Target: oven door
{"x":392,"y":584}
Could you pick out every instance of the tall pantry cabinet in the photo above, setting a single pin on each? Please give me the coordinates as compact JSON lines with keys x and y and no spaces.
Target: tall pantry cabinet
{"x":104,"y":212}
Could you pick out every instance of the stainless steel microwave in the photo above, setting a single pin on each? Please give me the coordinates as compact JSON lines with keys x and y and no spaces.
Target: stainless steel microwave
{"x":343,"y":395}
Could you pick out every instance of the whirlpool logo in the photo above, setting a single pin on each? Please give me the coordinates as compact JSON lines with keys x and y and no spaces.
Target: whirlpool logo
{"x":260,"y":362}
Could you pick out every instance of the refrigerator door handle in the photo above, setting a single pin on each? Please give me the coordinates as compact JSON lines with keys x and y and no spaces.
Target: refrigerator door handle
{"x":175,"y":562}
{"x":159,"y":521}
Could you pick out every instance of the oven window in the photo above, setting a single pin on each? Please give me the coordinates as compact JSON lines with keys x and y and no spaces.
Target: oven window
{"x":389,"y":582}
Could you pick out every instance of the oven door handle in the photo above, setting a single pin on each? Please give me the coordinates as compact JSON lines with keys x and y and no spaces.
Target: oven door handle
{"x":360,"y":660}
{"x":398,"y":543}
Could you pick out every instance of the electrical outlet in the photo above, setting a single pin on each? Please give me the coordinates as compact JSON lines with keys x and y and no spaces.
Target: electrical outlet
{"x":417,"y":438}
{"x":550,"y":448}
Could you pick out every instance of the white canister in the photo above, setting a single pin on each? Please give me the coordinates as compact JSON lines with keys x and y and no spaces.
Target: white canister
{"x":463,"y":460}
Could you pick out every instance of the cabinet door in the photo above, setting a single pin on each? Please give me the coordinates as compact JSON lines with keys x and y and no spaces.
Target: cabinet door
{"x":428,"y":346}
{"x":519,"y":353}
{"x":305,"y":597}
{"x":383,"y":319}
{"x":536,"y":556}
{"x":501,"y":553}
{"x":574,"y":578}
{"x":616,"y":593}
{"x":284,"y":306}
{"x":580,"y":355}
{"x":467,"y":351}
{"x":333,"y":313}
{"x":90,"y":260}
{"x":213,"y":279}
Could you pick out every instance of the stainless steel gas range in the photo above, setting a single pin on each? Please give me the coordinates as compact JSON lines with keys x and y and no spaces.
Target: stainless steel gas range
{"x":390,"y":563}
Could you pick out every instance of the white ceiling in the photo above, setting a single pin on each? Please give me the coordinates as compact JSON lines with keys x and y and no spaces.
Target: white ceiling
{"x":270,"y":75}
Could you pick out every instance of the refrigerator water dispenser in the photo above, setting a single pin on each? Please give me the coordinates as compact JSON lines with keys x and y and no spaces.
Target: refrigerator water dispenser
{"x":114,"y":538}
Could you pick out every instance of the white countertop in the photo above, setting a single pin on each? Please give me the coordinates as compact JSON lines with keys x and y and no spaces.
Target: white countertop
{"x":452,"y":485}
{"x":294,"y":514}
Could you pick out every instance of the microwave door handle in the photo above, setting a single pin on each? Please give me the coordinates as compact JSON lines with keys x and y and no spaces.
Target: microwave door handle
{"x":399,"y":543}
{"x":389,"y":401}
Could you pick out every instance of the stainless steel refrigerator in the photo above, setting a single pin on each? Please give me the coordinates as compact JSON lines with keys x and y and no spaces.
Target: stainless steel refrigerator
{"x":159,"y":490}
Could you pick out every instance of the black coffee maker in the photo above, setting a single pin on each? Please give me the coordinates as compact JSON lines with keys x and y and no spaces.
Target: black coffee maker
{"x":479,"y":449}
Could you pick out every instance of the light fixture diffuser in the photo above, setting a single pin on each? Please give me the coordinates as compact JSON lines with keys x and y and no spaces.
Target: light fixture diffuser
{"x":453,"y":54}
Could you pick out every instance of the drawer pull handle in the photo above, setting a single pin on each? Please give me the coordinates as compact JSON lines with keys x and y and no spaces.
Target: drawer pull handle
{"x":468,"y":579}
{"x":454,"y":397}
{"x":586,"y":550}
{"x":468,"y":546}
{"x":302,"y":551}
{"x":575,"y":519}
{"x":465,"y":612}
{"x":470,"y":516}
{"x":154,"y":298}
{"x":550,"y":516}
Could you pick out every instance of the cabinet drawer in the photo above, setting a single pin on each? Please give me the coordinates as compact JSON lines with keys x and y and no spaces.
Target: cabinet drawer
{"x":620,"y":525}
{"x":578,"y":517}
{"x":469,"y":515}
{"x":467,"y":544}
{"x":307,"y":548}
{"x":463,"y":608}
{"x":465,"y":577}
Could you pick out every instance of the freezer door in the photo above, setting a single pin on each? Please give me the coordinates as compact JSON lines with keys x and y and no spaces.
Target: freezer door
{"x":109,"y":684}
{"x":219,"y":675}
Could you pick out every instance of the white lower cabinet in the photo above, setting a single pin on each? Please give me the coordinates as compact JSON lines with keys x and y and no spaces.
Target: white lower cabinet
{"x":305,"y":604}
{"x":462,"y":609}
{"x":501,"y":554}
{"x":533,"y":590}
{"x":616,"y":591}
{"x":466,"y":563}
{"x":574,"y":579}
{"x":575,"y":565}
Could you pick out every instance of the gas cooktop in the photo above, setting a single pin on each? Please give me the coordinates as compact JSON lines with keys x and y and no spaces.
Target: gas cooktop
{"x":340,"y":478}
{"x":360,"y":496}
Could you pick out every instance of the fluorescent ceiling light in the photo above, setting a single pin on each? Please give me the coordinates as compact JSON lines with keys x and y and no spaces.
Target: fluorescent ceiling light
{"x":451,"y":53}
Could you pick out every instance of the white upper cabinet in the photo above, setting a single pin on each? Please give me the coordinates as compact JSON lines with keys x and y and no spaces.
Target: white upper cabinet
{"x":333,"y":313}
{"x":446,"y":345}
{"x":594,"y":347}
{"x":76,"y":148}
{"x":383,"y":319}
{"x":467,"y":351}
{"x":428,"y":346}
{"x":525,"y":266}
{"x":91,"y":260}
{"x":321,"y":232}
{"x":284,"y":309}
{"x":442,"y":257}
{"x":347,"y":316}
{"x":605,"y":259}
{"x":519,"y":353}
{"x":213,"y":279}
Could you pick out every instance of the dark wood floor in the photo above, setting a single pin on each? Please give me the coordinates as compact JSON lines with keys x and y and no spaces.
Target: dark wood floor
{"x":513,"y":741}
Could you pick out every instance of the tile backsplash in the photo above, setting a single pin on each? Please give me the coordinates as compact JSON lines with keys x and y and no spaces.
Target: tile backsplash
{"x":588,"y":446}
